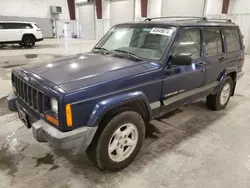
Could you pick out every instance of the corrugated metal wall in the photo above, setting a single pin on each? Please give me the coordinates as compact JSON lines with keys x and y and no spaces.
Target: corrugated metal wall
{"x":44,"y":23}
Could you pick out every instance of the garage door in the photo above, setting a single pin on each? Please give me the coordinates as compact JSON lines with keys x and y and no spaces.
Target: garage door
{"x":121,"y":11}
{"x":87,"y":21}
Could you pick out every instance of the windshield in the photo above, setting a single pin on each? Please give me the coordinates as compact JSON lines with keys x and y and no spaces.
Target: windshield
{"x":143,"y":41}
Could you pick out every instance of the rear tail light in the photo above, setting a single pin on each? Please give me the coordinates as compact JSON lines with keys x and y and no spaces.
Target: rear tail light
{"x":38,"y":30}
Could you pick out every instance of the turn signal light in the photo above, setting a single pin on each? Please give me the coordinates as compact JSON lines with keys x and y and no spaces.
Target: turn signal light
{"x":69,"y":115}
{"x":52,"y":120}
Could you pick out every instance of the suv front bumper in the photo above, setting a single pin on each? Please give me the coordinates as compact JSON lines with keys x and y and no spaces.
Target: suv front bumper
{"x":75,"y":141}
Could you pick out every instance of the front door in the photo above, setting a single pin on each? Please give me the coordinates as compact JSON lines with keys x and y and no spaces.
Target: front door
{"x":183,"y":84}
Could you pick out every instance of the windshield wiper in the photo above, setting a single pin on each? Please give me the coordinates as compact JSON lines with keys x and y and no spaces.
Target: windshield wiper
{"x":102,"y":49}
{"x":128,"y":53}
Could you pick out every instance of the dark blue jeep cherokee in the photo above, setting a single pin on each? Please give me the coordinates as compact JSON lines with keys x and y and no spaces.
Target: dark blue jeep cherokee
{"x":101,"y":101}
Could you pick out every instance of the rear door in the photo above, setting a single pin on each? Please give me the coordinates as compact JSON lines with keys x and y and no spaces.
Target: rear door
{"x":234,"y":46}
{"x":182,"y":84}
{"x":215,"y":53}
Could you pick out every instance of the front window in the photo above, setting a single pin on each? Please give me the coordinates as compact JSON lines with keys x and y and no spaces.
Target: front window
{"x":145,"y":42}
{"x":189,"y":42}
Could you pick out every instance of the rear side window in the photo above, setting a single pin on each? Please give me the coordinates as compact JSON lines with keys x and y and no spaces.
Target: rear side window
{"x":213,"y":41}
{"x":12,"y":25}
{"x":232,"y":39}
{"x":189,"y":42}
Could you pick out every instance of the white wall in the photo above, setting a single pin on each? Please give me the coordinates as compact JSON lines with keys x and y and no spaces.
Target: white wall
{"x":154,"y":8}
{"x":182,"y":7}
{"x":214,"y":7}
{"x":239,"y":7}
{"x":32,"y":8}
{"x":137,"y":9}
{"x":158,"y":8}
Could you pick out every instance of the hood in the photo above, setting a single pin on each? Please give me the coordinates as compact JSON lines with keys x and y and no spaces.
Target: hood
{"x":88,"y":69}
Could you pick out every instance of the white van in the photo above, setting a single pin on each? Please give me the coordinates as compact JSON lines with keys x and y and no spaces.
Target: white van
{"x":24,"y":33}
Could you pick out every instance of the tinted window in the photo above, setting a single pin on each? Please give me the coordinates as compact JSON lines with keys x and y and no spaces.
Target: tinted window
{"x":18,"y":26}
{"x":12,"y":26}
{"x":233,"y":40}
{"x":213,"y":41}
{"x":189,"y":42}
{"x":1,"y":26}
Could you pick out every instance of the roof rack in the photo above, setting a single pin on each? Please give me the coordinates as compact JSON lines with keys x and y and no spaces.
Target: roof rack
{"x":172,"y":17}
{"x":219,"y":19}
{"x":183,"y":18}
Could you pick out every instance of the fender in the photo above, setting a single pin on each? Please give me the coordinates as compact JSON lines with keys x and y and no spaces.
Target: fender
{"x":28,"y":34}
{"x":105,"y":105}
{"x":223,"y":76}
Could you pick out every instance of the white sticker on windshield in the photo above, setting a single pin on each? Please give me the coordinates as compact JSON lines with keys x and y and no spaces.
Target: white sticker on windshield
{"x":162,"y":31}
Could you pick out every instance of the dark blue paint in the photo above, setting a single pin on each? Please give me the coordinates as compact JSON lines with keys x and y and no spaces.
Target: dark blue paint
{"x":95,"y":83}
{"x":105,"y":105}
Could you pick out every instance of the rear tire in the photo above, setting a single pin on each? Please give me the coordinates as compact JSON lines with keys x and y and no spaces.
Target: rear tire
{"x":220,"y":100}
{"x":29,"y":41}
{"x":116,"y":145}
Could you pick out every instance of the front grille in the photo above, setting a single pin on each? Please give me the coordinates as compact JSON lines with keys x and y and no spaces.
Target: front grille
{"x":31,"y":96}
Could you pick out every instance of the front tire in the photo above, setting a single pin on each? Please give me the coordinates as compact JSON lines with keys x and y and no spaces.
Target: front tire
{"x":220,"y":100}
{"x":116,"y":145}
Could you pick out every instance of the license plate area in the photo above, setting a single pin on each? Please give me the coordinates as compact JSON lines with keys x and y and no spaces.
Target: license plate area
{"x":23,"y":117}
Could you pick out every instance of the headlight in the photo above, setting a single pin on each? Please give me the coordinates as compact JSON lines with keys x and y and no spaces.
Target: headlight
{"x":54,"y":105}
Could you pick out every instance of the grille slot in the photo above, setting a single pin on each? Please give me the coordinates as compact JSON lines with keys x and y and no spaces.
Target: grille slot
{"x":31,"y":96}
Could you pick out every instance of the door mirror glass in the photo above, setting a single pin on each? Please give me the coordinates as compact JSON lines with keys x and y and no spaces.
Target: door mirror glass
{"x":182,"y":59}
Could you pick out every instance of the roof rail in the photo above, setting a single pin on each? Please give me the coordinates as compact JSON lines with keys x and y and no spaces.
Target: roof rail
{"x":178,"y":17}
{"x":183,"y":18}
{"x":219,"y":19}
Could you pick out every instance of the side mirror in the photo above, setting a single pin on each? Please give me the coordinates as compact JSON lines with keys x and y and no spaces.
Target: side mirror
{"x":181,"y":59}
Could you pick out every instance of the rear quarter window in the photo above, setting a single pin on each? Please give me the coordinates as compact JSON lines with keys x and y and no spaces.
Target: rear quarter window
{"x":232,"y":39}
{"x":26,"y":26}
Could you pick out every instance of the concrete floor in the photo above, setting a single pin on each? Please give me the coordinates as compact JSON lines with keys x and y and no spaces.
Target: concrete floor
{"x":190,"y":147}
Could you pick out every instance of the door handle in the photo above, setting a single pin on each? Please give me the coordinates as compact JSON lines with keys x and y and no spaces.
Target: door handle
{"x":201,"y":63}
{"x":223,"y":58}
